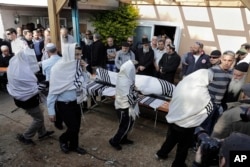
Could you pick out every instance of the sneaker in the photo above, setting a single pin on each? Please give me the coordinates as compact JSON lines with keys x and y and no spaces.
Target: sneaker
{"x":116,"y":146}
{"x":23,"y":140}
{"x":127,"y":141}
{"x":48,"y":133}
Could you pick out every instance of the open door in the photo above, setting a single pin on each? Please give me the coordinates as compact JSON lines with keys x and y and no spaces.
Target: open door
{"x":157,"y":28}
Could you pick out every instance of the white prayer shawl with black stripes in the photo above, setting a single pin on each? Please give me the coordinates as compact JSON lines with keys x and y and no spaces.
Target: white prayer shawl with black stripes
{"x":126,"y":97}
{"x":191,"y":103}
{"x":66,"y":73}
{"x":147,"y":85}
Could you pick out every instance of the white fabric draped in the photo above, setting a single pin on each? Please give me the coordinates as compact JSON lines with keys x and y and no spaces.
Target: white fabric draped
{"x":191,"y":102}
{"x":63,"y":72}
{"x":22,"y":82}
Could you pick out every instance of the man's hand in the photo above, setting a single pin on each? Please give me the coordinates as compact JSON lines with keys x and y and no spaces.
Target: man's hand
{"x":198,"y":156}
{"x":141,"y":68}
{"x":52,"y":118}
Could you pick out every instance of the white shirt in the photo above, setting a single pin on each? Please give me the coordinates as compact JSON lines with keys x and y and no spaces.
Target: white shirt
{"x":17,"y":45}
{"x":158,"y":55}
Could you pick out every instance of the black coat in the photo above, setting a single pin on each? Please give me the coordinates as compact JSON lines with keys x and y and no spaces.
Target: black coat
{"x":169,"y":64}
{"x":146,"y":60}
{"x":4,"y":61}
{"x":98,"y":54}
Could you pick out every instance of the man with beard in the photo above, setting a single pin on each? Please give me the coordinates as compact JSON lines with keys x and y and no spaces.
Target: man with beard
{"x":238,"y":79}
{"x":145,"y":58}
{"x":196,"y":59}
{"x":123,"y":55}
{"x":169,"y":64}
{"x":66,"y":37}
{"x":235,"y":119}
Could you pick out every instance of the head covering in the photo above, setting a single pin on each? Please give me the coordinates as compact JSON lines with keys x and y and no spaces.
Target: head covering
{"x":241,"y":51}
{"x":246,"y":89}
{"x":22,"y":82}
{"x":65,"y":74}
{"x":50,"y":46}
{"x":243,"y":67}
{"x":185,"y":109}
{"x":235,"y":142}
{"x":145,"y":41}
{"x":215,"y":53}
{"x":125,"y":44}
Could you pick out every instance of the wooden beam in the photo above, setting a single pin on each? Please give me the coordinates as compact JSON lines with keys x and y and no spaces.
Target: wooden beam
{"x":246,"y":3}
{"x":54,"y":23}
{"x":59,"y":5}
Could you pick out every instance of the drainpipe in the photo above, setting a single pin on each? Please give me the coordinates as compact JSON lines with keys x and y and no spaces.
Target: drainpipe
{"x":75,"y":20}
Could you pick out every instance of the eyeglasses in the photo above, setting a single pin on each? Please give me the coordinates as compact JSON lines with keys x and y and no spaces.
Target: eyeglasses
{"x":211,"y":57}
{"x":129,"y":41}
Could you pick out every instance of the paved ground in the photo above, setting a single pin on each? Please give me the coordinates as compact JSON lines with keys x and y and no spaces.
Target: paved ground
{"x":96,"y":129}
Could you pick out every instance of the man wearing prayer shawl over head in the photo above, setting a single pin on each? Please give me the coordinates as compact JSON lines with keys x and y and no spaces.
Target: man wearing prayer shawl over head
{"x":65,"y":83}
{"x":23,"y":87}
{"x":190,"y":106}
{"x":125,"y":104}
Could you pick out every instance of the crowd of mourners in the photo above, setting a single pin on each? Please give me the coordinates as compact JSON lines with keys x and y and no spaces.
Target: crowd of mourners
{"x":211,"y":93}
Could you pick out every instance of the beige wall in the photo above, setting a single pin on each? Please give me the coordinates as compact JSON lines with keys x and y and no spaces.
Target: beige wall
{"x":216,"y":28}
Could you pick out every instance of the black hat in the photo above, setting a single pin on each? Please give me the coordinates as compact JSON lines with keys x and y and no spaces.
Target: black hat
{"x":215,"y":53}
{"x":243,"y":67}
{"x":145,"y":41}
{"x":125,"y":44}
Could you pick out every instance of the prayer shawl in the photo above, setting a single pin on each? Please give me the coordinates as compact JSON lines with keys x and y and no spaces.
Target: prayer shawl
{"x":22,"y":82}
{"x":157,"y":90}
{"x":125,"y":96}
{"x":191,"y":103}
{"x":66,"y":73}
{"x":147,"y":85}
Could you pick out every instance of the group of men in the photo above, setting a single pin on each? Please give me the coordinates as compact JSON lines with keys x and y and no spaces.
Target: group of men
{"x":64,"y":85}
{"x":155,"y":58}
{"x":198,"y":100}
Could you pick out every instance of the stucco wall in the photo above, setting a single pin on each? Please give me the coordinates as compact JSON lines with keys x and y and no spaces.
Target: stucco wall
{"x":216,"y":28}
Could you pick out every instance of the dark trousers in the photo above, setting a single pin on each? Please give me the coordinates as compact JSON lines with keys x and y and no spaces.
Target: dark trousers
{"x":59,"y":120}
{"x":177,"y":135}
{"x":126,"y":124}
{"x":71,"y":116}
{"x":209,"y":123}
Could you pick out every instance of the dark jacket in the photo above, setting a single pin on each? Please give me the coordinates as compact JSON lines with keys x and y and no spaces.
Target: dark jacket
{"x":202,"y":63}
{"x":146,"y":60}
{"x":98,"y":54}
{"x":169,"y":64}
{"x":4,"y":61}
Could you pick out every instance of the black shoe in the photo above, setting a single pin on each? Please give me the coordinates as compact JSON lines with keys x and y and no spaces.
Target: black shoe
{"x":79,"y":150}
{"x":64,"y":147}
{"x":22,"y":139}
{"x":58,"y":126}
{"x":48,"y":133}
{"x":160,"y":157}
{"x":127,"y":141}
{"x":116,"y":146}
